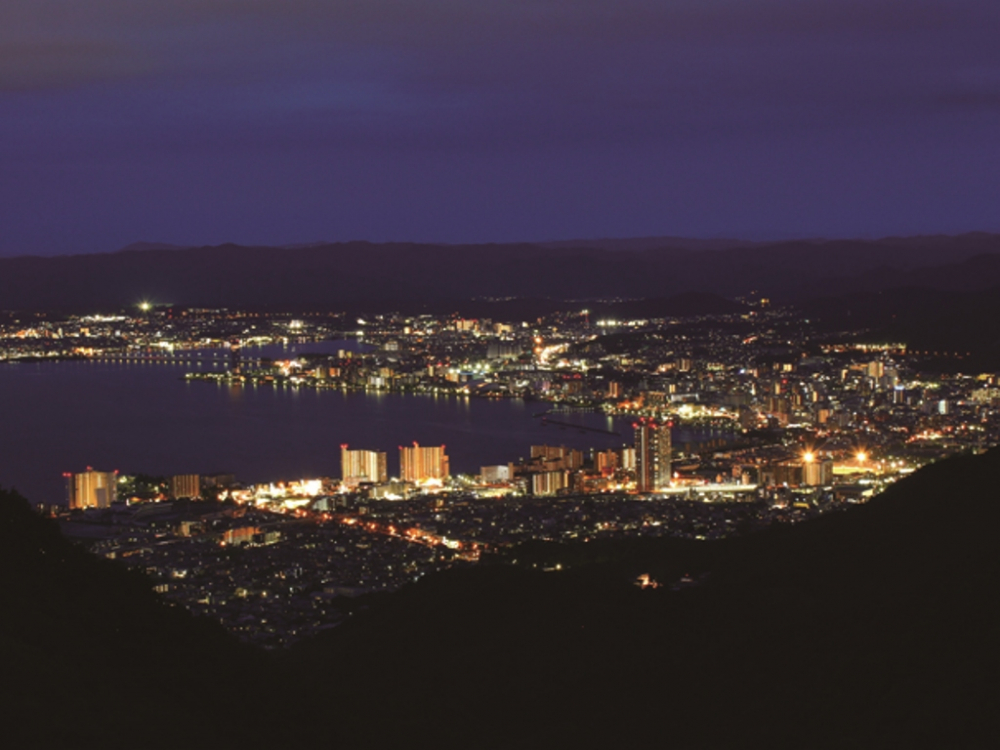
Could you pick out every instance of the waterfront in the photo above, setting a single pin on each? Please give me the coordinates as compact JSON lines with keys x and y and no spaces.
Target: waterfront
{"x":65,"y":416}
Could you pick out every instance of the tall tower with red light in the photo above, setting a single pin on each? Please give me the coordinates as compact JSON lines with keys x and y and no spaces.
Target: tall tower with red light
{"x":652,"y":455}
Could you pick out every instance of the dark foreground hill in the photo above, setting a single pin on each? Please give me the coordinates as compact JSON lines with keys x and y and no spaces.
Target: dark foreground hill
{"x":871,"y":628}
{"x":93,"y":658}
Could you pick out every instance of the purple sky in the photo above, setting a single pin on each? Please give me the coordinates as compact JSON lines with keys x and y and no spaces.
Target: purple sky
{"x":281,"y":121}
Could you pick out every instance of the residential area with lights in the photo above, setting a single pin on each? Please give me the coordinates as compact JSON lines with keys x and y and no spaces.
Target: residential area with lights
{"x":725,"y":424}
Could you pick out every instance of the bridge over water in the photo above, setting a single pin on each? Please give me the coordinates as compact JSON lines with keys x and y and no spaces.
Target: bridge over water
{"x":186,"y":357}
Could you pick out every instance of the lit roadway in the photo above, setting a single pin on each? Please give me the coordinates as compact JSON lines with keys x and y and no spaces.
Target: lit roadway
{"x":415,"y":535}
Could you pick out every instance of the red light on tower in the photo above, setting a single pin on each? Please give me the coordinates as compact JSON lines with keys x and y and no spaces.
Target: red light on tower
{"x":343,"y":446}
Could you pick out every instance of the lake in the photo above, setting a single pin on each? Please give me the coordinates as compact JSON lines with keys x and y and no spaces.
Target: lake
{"x":145,"y":418}
{"x":65,"y":416}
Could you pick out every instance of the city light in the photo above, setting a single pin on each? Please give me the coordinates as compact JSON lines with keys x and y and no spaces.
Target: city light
{"x":722,"y":439}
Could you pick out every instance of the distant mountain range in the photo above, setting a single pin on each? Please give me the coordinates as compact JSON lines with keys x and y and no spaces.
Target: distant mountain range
{"x":870,"y":628}
{"x":651,"y":243}
{"x":606,"y":243}
{"x":365,"y":276}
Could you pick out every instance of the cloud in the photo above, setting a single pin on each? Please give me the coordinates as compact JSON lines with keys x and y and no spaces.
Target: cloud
{"x":499,"y":37}
{"x":464,"y":74}
{"x":59,"y":63}
{"x":644,"y":97}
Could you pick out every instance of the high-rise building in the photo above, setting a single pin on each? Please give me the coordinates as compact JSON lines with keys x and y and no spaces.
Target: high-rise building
{"x":816,"y":471}
{"x":652,"y":455}
{"x":185,"y":485}
{"x":553,"y":457}
{"x":547,"y":483}
{"x":418,"y":464}
{"x":495,"y":474}
{"x":607,"y":461}
{"x":362,"y":466}
{"x":91,"y":489}
{"x":628,"y":458}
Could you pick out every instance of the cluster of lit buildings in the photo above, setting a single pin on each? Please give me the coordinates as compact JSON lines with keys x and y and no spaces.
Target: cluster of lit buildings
{"x":759,"y":370}
{"x":647,"y":467}
{"x":419,"y":467}
{"x":103,"y":489}
{"x":552,"y":470}
{"x":301,"y":572}
{"x":797,"y":427}
{"x":157,"y":334}
{"x":92,"y":489}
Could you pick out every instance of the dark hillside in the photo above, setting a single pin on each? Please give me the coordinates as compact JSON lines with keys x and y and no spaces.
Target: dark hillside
{"x":872,"y":628}
{"x":966,"y":324}
{"x":93,"y":658}
{"x":362,"y":276}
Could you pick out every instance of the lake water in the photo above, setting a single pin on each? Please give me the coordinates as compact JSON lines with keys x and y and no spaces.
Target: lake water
{"x":144,"y":418}
{"x":65,"y":416}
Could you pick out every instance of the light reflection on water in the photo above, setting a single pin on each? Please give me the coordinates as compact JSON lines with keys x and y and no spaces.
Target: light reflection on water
{"x":140,"y":417}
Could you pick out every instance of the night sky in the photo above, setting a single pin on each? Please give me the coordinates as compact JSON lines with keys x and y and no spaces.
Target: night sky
{"x":283,"y":121}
